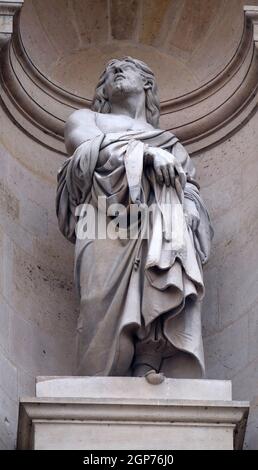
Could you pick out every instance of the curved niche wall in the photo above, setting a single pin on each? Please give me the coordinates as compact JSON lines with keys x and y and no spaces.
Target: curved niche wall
{"x":208,"y":85}
{"x":204,"y":55}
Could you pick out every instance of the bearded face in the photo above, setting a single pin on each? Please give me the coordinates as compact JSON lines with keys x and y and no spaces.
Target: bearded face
{"x":122,"y":78}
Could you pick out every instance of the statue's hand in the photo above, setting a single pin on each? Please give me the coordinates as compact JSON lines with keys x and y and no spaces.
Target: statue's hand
{"x":191,"y":214}
{"x":165,"y":165}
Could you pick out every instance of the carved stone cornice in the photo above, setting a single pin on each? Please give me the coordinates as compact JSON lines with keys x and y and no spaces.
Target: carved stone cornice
{"x":251,"y":12}
{"x":36,"y":413}
{"x":7,"y":10}
{"x":200,"y":118}
{"x":207,"y":115}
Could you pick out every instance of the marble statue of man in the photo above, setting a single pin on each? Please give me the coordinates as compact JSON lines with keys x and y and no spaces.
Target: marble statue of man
{"x":140,"y":297}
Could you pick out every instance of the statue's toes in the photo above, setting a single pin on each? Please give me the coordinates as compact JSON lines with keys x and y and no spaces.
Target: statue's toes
{"x":154,"y":378}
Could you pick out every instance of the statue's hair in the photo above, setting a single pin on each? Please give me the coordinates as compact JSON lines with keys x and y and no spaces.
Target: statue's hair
{"x":101,"y":104}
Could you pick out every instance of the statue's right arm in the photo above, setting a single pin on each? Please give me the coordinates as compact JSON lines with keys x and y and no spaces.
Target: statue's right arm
{"x":79,"y":128}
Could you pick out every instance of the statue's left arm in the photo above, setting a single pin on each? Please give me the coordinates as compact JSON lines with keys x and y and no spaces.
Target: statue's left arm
{"x":196,"y":213}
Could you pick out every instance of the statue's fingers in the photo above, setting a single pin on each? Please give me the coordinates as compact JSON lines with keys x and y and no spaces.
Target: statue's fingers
{"x":195,"y":223}
{"x":188,"y":219}
{"x":177,"y":166}
{"x":166,"y":175}
{"x":181,"y":174}
{"x":171,"y":175}
{"x":148,"y":152}
{"x":182,"y":178}
{"x":172,"y":158}
{"x":159,"y":175}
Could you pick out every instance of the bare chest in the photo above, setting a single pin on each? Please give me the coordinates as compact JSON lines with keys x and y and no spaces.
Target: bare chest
{"x":114,"y":123}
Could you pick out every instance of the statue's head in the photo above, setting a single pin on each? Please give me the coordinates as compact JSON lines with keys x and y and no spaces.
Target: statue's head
{"x":126,"y":76}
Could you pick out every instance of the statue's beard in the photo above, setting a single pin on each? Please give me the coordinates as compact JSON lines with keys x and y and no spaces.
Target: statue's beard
{"x":124,"y":87}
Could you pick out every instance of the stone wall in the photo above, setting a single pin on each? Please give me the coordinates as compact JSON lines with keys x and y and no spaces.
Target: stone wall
{"x":228,"y":174}
{"x":38,"y":306}
{"x":38,"y":303}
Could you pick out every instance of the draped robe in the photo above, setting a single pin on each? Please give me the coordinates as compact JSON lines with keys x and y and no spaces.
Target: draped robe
{"x":127,"y":284}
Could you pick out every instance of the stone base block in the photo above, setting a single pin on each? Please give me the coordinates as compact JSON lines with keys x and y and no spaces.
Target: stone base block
{"x":128,"y":413}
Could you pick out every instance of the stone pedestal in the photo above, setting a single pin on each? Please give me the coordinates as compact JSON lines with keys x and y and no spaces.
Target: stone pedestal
{"x":128,"y":413}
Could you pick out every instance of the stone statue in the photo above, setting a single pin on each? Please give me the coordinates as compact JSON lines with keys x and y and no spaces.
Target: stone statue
{"x":140,"y":296}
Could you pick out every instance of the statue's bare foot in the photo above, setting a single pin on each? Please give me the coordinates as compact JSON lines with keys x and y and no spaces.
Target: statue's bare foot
{"x":154,"y":378}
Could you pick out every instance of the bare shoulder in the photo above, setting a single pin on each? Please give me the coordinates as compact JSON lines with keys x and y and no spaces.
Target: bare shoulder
{"x":80,"y":126}
{"x":80,"y":117}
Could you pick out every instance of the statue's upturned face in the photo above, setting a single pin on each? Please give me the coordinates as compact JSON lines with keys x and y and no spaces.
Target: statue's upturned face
{"x":122,"y":78}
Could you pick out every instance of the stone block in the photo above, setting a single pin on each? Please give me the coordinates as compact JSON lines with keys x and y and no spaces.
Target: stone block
{"x":251,"y":441}
{"x":237,"y":280}
{"x":250,"y":177}
{"x":226,"y":352}
{"x":245,"y":382}
{"x":253,"y":333}
{"x":8,"y":377}
{"x":23,"y":150}
{"x":51,"y":304}
{"x":2,"y":445}
{"x":55,"y":28}
{"x":54,"y":251}
{"x":4,"y":324}
{"x":92,"y":28}
{"x":128,"y":388}
{"x":129,"y":413}
{"x":210,"y":307}
{"x":2,"y":271}
{"x":14,"y":233}
{"x":26,"y":185}
{"x":8,"y":202}
{"x":26,"y":384}
{"x":154,"y":20}
{"x":223,"y":195}
{"x":124,"y":18}
{"x":34,"y":218}
{"x":192,"y":25}
{"x":38,"y":352}
{"x":8,"y":420}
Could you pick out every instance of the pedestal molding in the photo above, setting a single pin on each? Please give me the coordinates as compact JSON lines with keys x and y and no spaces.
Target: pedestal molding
{"x":38,"y":411}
